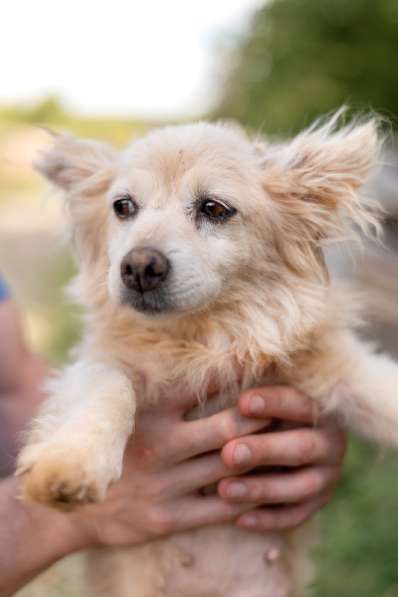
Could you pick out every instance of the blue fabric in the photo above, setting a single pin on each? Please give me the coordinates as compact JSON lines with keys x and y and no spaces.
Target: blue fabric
{"x":4,"y":290}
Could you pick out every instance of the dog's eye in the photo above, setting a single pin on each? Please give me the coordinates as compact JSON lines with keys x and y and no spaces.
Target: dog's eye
{"x":125,"y":207}
{"x":216,"y":211}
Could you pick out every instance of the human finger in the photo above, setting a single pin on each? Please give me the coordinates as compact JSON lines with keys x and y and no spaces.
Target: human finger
{"x":296,"y":447}
{"x":282,"y":518}
{"x":280,"y":488}
{"x":192,"y":438}
{"x":278,"y":402}
{"x":198,"y":511}
{"x":198,"y":473}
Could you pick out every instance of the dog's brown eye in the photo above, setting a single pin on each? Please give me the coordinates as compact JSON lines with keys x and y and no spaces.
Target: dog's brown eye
{"x":124,"y":207}
{"x":214,"y":210}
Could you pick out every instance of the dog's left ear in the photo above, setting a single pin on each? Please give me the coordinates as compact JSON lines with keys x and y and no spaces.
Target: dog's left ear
{"x":314,"y":179}
{"x":73,"y":163}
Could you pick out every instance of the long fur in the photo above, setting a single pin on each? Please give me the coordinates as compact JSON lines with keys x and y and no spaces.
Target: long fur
{"x":251,"y":303}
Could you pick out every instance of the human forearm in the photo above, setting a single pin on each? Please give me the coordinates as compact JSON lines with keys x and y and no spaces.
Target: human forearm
{"x":18,"y":404}
{"x":31,"y":538}
{"x":21,"y":376}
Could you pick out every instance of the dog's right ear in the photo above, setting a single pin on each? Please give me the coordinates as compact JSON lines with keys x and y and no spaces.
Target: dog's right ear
{"x":83,"y":169}
{"x":75,"y":164}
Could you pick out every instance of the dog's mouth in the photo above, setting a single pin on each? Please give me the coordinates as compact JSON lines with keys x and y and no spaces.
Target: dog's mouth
{"x":153,"y":302}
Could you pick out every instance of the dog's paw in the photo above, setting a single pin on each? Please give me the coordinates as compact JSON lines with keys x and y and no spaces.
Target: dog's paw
{"x":60,"y":477}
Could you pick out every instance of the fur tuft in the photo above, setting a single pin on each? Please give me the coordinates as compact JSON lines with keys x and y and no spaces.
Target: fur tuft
{"x":315,"y":180}
{"x":82,"y":169}
{"x":71,"y":162}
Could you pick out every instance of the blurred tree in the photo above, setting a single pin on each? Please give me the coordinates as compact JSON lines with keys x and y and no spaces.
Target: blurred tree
{"x":302,"y":58}
{"x":49,"y":110}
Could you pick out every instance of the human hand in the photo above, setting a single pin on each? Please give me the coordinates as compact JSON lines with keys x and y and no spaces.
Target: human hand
{"x":313,"y":457}
{"x":160,"y":491}
{"x":158,"y":494}
{"x":167,"y":463}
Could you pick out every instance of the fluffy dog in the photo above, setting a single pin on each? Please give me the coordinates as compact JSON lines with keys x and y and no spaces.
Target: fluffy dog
{"x":200,"y":254}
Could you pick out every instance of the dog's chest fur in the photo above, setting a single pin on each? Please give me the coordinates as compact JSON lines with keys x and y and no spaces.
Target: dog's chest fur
{"x":218,"y":561}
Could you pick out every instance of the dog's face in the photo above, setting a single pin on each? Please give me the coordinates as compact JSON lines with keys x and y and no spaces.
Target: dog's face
{"x":191,"y":217}
{"x":184,"y":220}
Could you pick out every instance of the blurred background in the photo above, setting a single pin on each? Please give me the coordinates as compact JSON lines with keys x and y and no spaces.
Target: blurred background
{"x":113,"y":70}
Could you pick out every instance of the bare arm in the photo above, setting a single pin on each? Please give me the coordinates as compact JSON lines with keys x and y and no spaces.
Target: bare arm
{"x":31,"y":538}
{"x":21,"y":373}
{"x":158,"y":495}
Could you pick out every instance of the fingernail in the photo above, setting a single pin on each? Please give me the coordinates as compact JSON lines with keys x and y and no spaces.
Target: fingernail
{"x":236,"y":489}
{"x":256,"y":405}
{"x":248,"y":520}
{"x":242,"y":454}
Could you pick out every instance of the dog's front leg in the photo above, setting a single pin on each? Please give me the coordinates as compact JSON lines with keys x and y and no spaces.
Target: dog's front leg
{"x":349,"y":378}
{"x":370,"y":403}
{"x":75,"y":446}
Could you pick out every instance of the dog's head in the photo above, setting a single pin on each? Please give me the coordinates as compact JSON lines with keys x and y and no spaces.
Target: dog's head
{"x":197,"y":216}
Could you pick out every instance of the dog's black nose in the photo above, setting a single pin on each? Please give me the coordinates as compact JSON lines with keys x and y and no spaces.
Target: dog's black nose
{"x":144,"y":269}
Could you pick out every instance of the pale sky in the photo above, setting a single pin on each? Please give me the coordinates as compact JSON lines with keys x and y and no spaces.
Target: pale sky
{"x":124,"y":57}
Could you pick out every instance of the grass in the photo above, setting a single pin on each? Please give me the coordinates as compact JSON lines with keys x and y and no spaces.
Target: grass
{"x":358,"y":553}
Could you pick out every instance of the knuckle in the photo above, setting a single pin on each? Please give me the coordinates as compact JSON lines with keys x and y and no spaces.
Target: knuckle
{"x":306,"y":449}
{"x":268,"y":520}
{"x":159,"y":522}
{"x":145,"y":455}
{"x":263,"y":449}
{"x":258,"y":491}
{"x":314,"y":483}
{"x":300,"y":518}
{"x":269,"y":491}
{"x":228,"y":428}
{"x":190,"y":443}
{"x":295,"y":518}
{"x":158,"y":488}
{"x":263,"y":521}
{"x":231,"y":511}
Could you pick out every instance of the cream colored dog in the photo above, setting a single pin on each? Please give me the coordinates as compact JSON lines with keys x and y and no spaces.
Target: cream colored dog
{"x":201,"y":260}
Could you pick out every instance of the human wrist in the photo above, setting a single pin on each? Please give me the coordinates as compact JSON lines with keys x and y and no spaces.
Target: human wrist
{"x":35,"y":536}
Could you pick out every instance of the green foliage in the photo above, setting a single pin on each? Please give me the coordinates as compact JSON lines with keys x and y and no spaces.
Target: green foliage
{"x":50,"y":112}
{"x":358,"y":549}
{"x":303,"y":58}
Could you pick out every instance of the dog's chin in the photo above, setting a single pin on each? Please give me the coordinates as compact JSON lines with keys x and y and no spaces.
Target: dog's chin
{"x":159,"y":304}
{"x":151,"y":304}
